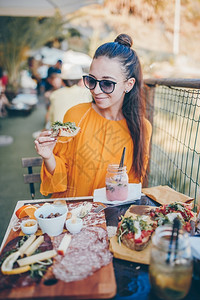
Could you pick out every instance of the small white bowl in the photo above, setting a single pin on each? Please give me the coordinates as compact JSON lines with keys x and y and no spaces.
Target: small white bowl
{"x":29,"y":226}
{"x":74,"y":227}
{"x":51,"y":226}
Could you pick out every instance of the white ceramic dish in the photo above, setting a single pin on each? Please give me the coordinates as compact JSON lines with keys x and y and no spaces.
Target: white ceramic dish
{"x":51,"y":226}
{"x":74,"y":226}
{"x":29,"y":226}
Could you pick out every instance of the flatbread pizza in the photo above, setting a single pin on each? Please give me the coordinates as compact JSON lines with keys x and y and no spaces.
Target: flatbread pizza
{"x":139,"y":222}
{"x":68,"y":129}
{"x":135,"y":233}
{"x":166,"y":214}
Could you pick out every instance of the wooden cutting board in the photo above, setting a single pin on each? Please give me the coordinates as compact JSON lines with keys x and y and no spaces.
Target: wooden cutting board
{"x":123,"y":252}
{"x":100,"y":285}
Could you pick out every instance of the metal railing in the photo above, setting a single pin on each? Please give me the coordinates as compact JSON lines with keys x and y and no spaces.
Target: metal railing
{"x":173,"y":108}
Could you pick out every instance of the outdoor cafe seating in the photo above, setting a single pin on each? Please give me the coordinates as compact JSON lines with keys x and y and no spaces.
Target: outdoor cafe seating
{"x":22,"y":104}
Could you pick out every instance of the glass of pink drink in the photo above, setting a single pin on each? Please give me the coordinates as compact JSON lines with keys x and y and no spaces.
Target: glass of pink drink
{"x":116,"y":183}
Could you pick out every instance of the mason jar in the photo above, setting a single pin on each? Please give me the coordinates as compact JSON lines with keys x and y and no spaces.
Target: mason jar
{"x":170,"y":269}
{"x":116,"y":183}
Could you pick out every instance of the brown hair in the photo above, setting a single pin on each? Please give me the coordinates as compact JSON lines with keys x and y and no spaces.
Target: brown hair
{"x":133,"y":105}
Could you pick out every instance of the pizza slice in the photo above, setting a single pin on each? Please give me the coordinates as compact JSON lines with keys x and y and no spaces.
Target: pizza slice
{"x":166,"y":214}
{"x":67,"y":129}
{"x":135,"y":233}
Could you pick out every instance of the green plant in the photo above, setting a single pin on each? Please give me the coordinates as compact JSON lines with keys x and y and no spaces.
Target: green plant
{"x":20,"y":34}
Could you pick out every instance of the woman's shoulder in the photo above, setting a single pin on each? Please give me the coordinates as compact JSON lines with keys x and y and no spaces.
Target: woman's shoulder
{"x":75,"y":113}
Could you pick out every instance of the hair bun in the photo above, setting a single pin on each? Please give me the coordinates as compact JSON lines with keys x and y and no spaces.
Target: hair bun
{"x":124,"y":39}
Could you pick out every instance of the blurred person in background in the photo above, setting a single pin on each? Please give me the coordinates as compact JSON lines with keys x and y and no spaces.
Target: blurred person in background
{"x":55,"y":69}
{"x":33,"y":71}
{"x":3,"y":78}
{"x":53,"y":82}
{"x":42,"y":71}
{"x":72,"y":94}
{"x":4,"y":103}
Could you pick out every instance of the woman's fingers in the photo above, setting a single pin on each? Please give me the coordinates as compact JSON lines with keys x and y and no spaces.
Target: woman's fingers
{"x":44,"y":145}
{"x":38,"y":147}
{"x":45,"y":133}
{"x":46,"y":139}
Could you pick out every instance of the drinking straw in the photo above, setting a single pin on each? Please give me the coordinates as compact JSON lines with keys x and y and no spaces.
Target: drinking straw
{"x":175,"y":228}
{"x":122,"y":158}
{"x":177,"y":234}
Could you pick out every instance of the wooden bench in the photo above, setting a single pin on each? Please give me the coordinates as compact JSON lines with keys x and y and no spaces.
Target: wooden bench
{"x":31,"y":178}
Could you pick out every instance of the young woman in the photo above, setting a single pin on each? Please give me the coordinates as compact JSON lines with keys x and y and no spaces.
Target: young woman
{"x":114,"y":120}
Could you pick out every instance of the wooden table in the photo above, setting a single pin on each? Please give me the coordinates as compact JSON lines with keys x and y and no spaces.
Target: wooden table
{"x":100,"y":285}
{"x":131,"y":278}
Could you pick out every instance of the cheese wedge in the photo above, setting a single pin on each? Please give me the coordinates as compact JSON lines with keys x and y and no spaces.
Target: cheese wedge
{"x":64,"y":244}
{"x":26,"y":244}
{"x":7,"y":266}
{"x":9,"y":261}
{"x":85,"y":210}
{"x":33,"y":247}
{"x":37,"y":257}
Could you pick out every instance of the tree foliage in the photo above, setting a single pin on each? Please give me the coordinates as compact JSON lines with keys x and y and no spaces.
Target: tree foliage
{"x":18,"y":35}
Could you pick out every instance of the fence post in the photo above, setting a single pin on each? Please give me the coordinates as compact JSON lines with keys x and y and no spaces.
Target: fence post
{"x":149,"y":94}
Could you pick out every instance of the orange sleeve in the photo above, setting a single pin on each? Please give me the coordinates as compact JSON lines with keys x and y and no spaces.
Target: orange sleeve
{"x":58,"y":182}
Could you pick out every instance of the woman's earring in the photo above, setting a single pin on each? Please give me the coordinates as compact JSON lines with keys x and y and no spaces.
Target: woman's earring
{"x":126,"y":92}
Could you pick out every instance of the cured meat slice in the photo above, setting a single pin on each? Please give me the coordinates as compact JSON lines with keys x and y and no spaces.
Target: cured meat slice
{"x":92,"y":219}
{"x":88,"y":252}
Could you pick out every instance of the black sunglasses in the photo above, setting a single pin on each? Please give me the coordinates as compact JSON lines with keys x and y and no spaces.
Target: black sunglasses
{"x":107,"y":86}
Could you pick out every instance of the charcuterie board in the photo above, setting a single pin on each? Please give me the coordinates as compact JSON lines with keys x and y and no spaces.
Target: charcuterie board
{"x":100,"y":285}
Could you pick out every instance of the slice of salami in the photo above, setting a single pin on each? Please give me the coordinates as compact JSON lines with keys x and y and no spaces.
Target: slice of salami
{"x":92,"y":219}
{"x":88,"y":252}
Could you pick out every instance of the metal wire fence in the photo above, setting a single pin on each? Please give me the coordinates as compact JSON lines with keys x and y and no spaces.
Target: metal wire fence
{"x":174,"y":110}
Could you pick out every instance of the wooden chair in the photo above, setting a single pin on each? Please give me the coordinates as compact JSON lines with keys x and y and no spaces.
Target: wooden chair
{"x":31,"y":178}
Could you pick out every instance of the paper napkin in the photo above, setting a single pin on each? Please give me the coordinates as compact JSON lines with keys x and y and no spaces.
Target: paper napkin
{"x":163,"y":194}
{"x":134,"y":193}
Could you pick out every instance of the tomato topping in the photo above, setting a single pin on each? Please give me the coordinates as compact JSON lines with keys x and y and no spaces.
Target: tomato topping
{"x":137,"y":241}
{"x":130,"y":235}
{"x":152,"y":214}
{"x":145,"y":233}
{"x":187,"y":227}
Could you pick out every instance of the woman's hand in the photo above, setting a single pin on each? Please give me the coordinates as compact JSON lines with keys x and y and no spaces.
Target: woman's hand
{"x":45,"y":144}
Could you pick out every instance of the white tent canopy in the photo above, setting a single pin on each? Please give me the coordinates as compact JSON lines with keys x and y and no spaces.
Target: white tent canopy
{"x":77,"y":58}
{"x":47,"y":8}
{"x":50,"y":56}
